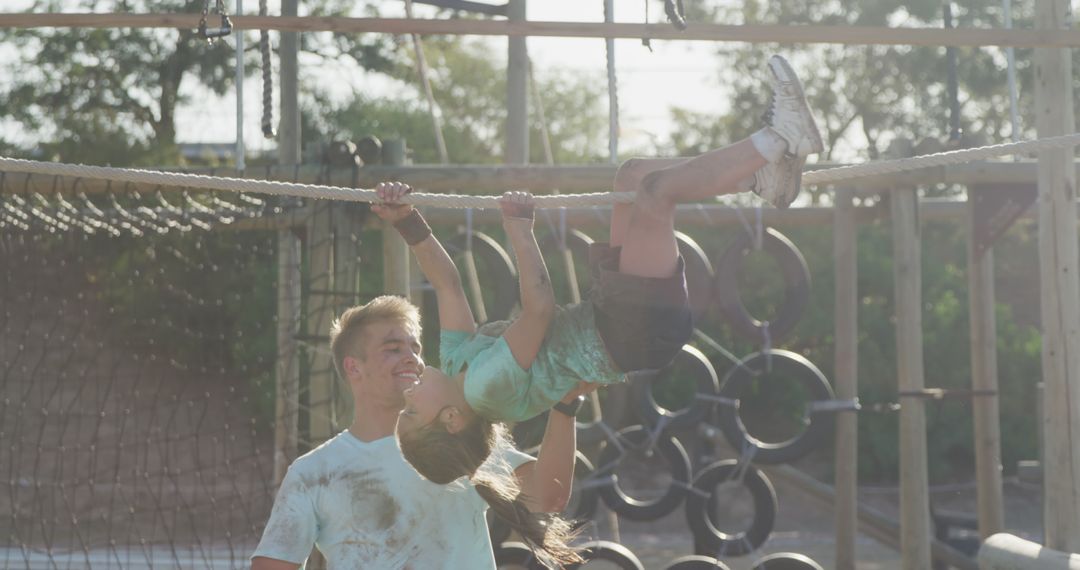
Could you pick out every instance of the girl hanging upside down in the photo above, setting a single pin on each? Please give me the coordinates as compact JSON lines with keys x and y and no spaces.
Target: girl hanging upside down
{"x":636,"y":318}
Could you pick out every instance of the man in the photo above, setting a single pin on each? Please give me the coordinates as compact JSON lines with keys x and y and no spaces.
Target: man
{"x":355,"y":497}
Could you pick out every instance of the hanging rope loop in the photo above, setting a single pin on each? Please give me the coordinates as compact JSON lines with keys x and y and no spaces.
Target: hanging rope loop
{"x":224,"y":28}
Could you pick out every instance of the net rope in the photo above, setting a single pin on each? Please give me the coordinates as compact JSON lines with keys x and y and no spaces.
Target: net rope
{"x":459,"y":201}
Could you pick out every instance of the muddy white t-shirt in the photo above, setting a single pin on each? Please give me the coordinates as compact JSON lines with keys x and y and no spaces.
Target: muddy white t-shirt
{"x":365,"y":507}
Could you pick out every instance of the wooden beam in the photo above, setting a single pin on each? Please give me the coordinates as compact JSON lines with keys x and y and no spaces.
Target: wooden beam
{"x":872,"y":522}
{"x":395,"y":251}
{"x":517,"y":91}
{"x":914,"y":483}
{"x":1059,"y":262}
{"x":987,"y":424}
{"x":846,"y":365}
{"x":287,"y":369}
{"x":751,"y":33}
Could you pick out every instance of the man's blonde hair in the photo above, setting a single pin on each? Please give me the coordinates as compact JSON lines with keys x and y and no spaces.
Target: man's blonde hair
{"x":347,"y":331}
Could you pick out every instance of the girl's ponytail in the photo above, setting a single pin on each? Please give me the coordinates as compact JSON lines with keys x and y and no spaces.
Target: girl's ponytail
{"x":547,"y":535}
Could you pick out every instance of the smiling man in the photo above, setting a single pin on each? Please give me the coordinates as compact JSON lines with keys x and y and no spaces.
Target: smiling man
{"x":355,"y":497}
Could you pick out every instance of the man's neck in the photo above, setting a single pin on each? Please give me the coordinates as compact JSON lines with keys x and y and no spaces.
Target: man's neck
{"x":373,"y":422}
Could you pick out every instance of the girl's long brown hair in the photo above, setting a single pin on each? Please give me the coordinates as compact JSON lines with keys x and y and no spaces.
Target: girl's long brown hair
{"x":442,"y":457}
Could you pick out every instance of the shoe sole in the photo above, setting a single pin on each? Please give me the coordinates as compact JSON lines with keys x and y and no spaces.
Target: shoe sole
{"x":817,"y":144}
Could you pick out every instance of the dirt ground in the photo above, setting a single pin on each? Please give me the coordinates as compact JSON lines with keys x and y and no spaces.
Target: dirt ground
{"x":804,"y":525}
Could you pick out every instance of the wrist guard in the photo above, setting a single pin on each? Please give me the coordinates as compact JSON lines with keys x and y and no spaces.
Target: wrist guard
{"x":413,"y":228}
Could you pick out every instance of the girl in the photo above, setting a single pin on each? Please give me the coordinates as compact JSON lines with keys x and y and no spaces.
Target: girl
{"x":637,"y":317}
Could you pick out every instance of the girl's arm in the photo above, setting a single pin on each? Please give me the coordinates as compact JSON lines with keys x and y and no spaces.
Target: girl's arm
{"x":454,"y":311}
{"x":526,"y":333}
{"x":547,"y":482}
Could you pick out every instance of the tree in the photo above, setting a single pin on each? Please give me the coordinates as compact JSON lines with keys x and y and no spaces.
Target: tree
{"x":111,"y":95}
{"x":866,"y":96}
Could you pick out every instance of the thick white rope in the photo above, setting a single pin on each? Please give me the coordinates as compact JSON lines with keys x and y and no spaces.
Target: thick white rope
{"x":200,"y":181}
{"x":878,"y":168}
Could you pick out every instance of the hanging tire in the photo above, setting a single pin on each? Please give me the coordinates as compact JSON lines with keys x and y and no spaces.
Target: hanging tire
{"x":796,"y":287}
{"x":690,"y":363}
{"x":696,"y":562}
{"x":583,"y":498}
{"x":786,"y":561}
{"x":670,"y":448}
{"x":496,"y":272}
{"x":608,"y":551}
{"x":518,"y":555}
{"x":699,"y":275}
{"x":739,"y":383}
{"x":710,"y":541}
{"x":578,"y":243}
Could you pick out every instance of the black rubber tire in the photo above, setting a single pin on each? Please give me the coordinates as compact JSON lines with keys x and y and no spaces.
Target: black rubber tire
{"x":578,"y":243}
{"x":696,"y":562}
{"x":516,"y":554}
{"x":739,"y":380}
{"x":786,"y":561}
{"x":710,"y":541}
{"x":498,"y":530}
{"x":692,"y":362}
{"x":671,"y":449}
{"x":699,"y":275}
{"x":583,"y":498}
{"x":608,"y":551}
{"x":497,"y":273}
{"x":796,"y":287}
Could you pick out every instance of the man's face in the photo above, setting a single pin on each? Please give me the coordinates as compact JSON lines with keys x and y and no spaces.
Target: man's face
{"x":391,"y":363}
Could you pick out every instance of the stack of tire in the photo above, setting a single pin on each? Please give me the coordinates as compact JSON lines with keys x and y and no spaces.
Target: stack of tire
{"x":658,"y":428}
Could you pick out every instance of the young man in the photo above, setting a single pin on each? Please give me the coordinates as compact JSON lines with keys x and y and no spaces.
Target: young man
{"x":356,"y":498}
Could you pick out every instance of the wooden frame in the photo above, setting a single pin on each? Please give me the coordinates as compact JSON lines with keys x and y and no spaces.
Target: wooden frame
{"x":847,"y":35}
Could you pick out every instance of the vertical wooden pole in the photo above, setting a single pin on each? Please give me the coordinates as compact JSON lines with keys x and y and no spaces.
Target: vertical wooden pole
{"x":287,"y":371}
{"x":847,"y":366}
{"x":907,"y":275}
{"x":289,"y":130}
{"x":517,"y":90}
{"x":991,"y":510}
{"x":395,"y":250}
{"x":1060,"y":286}
{"x":320,"y":312}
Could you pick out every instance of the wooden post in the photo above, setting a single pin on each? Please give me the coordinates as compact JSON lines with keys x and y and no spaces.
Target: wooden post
{"x":287,"y":371}
{"x":914,"y":486}
{"x":847,"y":366}
{"x":395,"y":250}
{"x":987,"y":435}
{"x":1060,"y":286}
{"x":517,"y":90}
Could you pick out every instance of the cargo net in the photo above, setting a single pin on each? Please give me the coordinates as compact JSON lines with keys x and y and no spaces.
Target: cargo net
{"x":138,"y":350}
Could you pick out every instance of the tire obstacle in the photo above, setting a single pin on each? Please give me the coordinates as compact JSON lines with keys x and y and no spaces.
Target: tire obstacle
{"x":654,"y":438}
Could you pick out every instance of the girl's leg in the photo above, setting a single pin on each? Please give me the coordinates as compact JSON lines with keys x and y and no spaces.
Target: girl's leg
{"x":628,"y":179}
{"x":650,"y":250}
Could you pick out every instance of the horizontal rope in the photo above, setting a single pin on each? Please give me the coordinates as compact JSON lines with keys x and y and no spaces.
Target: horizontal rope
{"x":199,"y":181}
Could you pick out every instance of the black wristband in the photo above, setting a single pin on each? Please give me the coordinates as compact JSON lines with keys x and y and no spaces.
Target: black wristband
{"x":570,"y":409}
{"x":413,"y":228}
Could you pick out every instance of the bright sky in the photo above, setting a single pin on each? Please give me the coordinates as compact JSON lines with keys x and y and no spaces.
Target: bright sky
{"x":674,"y":73}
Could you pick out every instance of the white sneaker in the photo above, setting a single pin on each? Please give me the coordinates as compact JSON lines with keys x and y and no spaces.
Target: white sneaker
{"x":779,"y":182}
{"x":789,"y":114}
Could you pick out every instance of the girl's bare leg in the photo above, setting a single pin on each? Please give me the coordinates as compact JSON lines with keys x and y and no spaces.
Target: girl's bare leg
{"x":650,"y":250}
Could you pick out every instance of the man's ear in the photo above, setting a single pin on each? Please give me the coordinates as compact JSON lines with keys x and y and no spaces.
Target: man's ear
{"x":350,"y":365}
{"x":452,"y":419}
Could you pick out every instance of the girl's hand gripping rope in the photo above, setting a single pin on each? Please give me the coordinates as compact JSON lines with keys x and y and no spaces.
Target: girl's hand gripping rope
{"x":517,"y":205}
{"x":405,"y":219}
